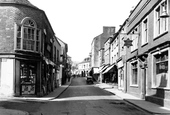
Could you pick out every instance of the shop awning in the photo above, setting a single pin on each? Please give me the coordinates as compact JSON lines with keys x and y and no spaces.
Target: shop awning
{"x":101,"y":67}
{"x":104,"y":68}
{"x":95,"y":70}
{"x":109,"y":68}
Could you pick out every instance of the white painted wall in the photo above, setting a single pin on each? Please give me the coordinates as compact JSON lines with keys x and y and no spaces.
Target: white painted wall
{"x":7,"y":77}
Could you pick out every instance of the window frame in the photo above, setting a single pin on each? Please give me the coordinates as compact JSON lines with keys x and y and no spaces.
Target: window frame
{"x":145,"y":29}
{"x":153,"y":73}
{"x":131,"y":72}
{"x":35,"y":40}
{"x":158,"y":31}
{"x":135,"y":38}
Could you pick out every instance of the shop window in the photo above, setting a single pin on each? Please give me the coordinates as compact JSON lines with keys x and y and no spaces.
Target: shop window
{"x":161,"y":24}
{"x":134,"y":73}
{"x":27,"y":78}
{"x":160,"y":69}
{"x":28,"y":36}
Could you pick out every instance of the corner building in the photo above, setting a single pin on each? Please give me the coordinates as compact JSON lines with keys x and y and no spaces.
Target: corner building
{"x":25,"y":49}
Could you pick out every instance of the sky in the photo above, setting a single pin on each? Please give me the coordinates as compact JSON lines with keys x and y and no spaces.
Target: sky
{"x":77,"y":22}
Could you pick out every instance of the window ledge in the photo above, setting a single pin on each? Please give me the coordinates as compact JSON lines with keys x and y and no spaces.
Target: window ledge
{"x":144,"y":44}
{"x":160,"y":35}
{"x":134,"y":50}
{"x":28,"y":51}
{"x":165,"y":88}
{"x":134,"y":86}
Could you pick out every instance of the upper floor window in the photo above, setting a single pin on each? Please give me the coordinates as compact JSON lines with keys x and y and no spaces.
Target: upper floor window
{"x":28,"y":36}
{"x":134,"y":37}
{"x":145,"y":31}
{"x":161,"y":24}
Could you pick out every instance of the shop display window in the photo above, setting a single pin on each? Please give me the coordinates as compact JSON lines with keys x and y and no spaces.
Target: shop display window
{"x":28,"y":78}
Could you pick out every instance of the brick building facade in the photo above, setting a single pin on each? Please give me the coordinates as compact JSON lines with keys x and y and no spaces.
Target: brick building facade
{"x":26,"y":49}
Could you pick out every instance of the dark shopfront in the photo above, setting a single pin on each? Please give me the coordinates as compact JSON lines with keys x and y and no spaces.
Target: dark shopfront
{"x":35,"y":77}
{"x":47,"y":77}
{"x":110,"y":74}
{"x":27,"y":76}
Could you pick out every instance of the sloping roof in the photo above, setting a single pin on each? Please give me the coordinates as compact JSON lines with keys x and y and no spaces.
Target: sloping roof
{"x":22,"y":2}
{"x":84,"y":62}
{"x":61,"y":42}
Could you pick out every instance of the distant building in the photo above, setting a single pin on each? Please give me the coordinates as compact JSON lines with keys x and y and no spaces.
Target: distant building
{"x":63,"y":61}
{"x":97,"y":50}
{"x":83,"y":67}
{"x":98,"y":43}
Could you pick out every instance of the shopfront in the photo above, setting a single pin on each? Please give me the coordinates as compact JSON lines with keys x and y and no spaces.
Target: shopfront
{"x":19,"y":77}
{"x":28,"y":77}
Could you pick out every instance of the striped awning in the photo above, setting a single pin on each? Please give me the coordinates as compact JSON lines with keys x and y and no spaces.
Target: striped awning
{"x":108,"y":69}
{"x":104,"y":68}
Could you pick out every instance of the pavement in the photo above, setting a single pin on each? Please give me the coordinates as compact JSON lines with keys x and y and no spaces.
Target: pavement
{"x":139,"y":103}
{"x":56,"y":93}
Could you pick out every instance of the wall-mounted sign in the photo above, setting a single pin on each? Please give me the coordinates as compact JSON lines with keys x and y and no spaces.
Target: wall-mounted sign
{"x":128,"y":43}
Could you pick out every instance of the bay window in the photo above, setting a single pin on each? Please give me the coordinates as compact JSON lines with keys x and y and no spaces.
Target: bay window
{"x":28,"y":36}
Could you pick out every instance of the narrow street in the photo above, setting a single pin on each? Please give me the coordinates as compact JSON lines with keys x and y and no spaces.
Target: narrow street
{"x":79,"y":99}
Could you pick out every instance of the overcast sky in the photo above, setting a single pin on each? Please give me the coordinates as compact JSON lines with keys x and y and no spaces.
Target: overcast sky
{"x":77,"y":22}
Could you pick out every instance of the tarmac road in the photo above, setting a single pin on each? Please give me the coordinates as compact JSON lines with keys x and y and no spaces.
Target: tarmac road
{"x":83,"y":99}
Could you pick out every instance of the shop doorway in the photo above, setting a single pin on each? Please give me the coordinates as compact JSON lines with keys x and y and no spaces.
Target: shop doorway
{"x":28,"y":78}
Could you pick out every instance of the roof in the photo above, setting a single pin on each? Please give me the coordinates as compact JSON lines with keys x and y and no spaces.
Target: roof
{"x":84,"y":62}
{"x":22,"y":2}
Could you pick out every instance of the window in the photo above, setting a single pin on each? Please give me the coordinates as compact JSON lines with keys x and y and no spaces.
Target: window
{"x":55,"y":54}
{"x":161,"y":24}
{"x":28,"y":36}
{"x":134,"y":36}
{"x":160,"y":69}
{"x":134,"y":73}
{"x":145,"y":31}
{"x":58,"y":56}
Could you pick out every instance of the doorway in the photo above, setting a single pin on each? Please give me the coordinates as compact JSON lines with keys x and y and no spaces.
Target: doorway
{"x":28,"y":78}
